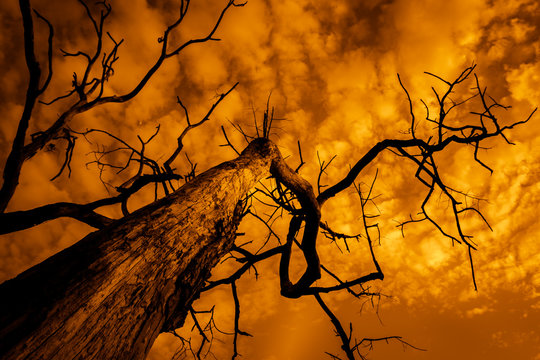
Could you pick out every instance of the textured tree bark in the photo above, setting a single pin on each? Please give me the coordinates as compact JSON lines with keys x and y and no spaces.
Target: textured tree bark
{"x":111,"y":294}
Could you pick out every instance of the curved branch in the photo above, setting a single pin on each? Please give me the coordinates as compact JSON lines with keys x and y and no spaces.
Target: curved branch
{"x":16,"y":158}
{"x":311,"y":216}
{"x":250,"y":260}
{"x":49,"y":53}
{"x":20,"y":220}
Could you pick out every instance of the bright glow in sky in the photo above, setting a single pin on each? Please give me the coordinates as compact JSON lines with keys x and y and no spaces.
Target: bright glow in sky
{"x":331,"y":70}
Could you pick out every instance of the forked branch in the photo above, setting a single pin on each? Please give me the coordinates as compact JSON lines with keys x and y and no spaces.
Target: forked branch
{"x":89,"y":87}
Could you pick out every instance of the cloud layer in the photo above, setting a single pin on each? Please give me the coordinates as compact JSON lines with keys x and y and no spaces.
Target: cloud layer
{"x":330,"y":71}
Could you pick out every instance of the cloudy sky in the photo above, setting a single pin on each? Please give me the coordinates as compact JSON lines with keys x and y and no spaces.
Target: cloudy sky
{"x":331,"y":71}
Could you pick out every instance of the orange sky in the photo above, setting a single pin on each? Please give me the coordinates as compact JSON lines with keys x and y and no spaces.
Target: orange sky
{"x":331,"y":69}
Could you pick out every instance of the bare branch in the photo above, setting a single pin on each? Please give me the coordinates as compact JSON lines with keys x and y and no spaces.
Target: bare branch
{"x":229,"y":144}
{"x":237,"y":330}
{"x":368,"y":343}
{"x":345,"y":340}
{"x":84,"y":88}
{"x":180,"y":146}
{"x":16,"y":157}
{"x":301,"y":160}
{"x":19,"y":220}
{"x":413,"y":126}
{"x":49,"y":53}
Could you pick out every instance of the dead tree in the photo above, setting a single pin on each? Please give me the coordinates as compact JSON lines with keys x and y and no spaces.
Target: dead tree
{"x":109,"y":295}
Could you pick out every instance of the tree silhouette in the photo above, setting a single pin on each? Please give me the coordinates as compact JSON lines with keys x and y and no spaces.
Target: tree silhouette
{"x":111,"y":294}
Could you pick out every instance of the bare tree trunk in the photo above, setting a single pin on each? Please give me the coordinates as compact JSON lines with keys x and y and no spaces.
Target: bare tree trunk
{"x":111,"y":294}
